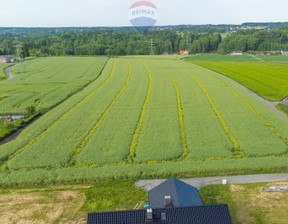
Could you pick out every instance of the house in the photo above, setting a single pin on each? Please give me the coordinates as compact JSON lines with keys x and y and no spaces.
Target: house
{"x":237,"y":53}
{"x":207,"y":214}
{"x":174,"y":193}
{"x":172,"y":202}
{"x":7,"y":59}
{"x":183,"y":52}
{"x":284,"y":52}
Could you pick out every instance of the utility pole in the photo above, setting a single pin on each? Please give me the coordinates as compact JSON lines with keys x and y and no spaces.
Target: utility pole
{"x":20,"y":60}
{"x":17,"y":47}
{"x":187,"y":41}
{"x":151,"y":44}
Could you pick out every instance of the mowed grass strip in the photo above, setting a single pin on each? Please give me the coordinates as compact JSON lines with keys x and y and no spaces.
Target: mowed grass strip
{"x":101,"y":119}
{"x":268,"y":80}
{"x":254,"y":137}
{"x":236,"y":147}
{"x":112,"y":140}
{"x":55,"y":139}
{"x":159,"y":138}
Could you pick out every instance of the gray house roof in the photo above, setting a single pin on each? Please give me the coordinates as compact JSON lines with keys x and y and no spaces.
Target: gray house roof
{"x":207,"y":214}
{"x":181,"y":194}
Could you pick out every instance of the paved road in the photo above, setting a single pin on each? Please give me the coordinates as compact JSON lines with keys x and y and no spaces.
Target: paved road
{"x":8,"y":71}
{"x":201,"y":182}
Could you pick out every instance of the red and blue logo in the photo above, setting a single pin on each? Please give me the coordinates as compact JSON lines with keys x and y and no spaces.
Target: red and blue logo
{"x":143,"y":14}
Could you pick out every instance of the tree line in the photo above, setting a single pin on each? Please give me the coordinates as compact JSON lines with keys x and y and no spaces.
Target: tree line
{"x":132,"y":42}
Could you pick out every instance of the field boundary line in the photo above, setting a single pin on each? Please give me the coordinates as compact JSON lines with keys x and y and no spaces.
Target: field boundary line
{"x":257,"y":58}
{"x":180,"y":116}
{"x":237,"y":152}
{"x":101,"y":119}
{"x":59,"y":119}
{"x":86,"y":71}
{"x":135,"y":139}
{"x":260,"y":117}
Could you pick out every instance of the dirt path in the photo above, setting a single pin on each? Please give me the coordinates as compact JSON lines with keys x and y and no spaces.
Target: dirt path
{"x":8,"y":71}
{"x":201,"y":182}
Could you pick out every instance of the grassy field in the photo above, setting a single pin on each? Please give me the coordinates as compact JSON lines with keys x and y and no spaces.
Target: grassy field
{"x":67,"y":204}
{"x":268,"y":80}
{"x":282,"y":108}
{"x":248,"y":203}
{"x":146,"y":118}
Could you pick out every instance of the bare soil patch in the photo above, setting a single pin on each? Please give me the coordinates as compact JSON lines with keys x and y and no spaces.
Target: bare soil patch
{"x":58,"y":205}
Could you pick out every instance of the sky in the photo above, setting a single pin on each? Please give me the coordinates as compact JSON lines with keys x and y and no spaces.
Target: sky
{"x":75,"y":13}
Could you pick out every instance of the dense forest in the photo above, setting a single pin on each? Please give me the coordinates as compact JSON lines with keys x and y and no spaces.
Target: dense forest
{"x":129,"y":41}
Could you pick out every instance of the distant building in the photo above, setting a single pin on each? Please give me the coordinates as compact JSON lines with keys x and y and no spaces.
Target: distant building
{"x":7,"y":59}
{"x":284,"y":52}
{"x":183,"y":52}
{"x":172,"y":202}
{"x":237,"y":53}
{"x":9,"y":118}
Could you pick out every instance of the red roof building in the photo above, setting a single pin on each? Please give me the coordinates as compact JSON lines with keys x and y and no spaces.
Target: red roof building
{"x":183,"y":52}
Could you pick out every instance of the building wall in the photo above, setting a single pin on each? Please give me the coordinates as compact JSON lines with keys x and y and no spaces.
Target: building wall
{"x":3,"y":60}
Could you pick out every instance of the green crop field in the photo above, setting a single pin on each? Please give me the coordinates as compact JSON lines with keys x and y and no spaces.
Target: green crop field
{"x":219,"y":57}
{"x":268,"y":80}
{"x":46,"y":82}
{"x":273,"y":58}
{"x":144,"y":118}
{"x":238,"y":58}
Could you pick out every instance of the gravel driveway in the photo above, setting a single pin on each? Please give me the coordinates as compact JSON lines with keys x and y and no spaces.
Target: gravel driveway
{"x":8,"y":71}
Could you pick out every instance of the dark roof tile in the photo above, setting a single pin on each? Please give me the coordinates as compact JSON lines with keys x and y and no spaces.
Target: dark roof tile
{"x":207,"y":214}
